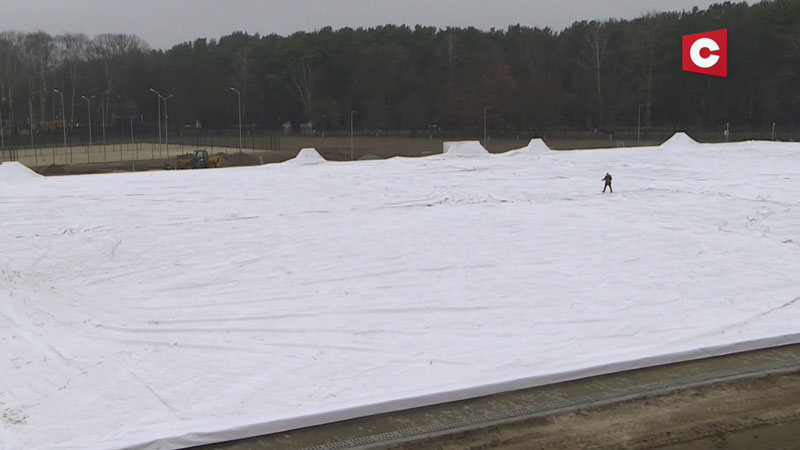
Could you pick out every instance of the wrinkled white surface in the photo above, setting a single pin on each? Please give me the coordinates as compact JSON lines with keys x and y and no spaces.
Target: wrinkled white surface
{"x":12,"y":172}
{"x":464,"y":149}
{"x":536,"y":146}
{"x":307,"y":156}
{"x":170,"y":308}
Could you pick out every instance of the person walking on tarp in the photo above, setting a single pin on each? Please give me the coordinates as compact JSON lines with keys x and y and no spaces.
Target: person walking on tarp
{"x":607,"y":179}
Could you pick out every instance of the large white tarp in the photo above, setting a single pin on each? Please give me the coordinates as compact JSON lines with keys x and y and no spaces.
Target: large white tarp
{"x":12,"y":172}
{"x":164,"y":309}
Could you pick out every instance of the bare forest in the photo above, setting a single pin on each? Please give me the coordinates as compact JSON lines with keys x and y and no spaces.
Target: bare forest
{"x":602,"y":76}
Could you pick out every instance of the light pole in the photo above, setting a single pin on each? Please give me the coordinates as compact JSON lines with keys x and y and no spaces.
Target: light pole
{"x":30,"y":111}
{"x":352,"y":113}
{"x":89,"y":109}
{"x":103,"y":122}
{"x":166,"y":123}
{"x":158,"y":105}
{"x":2,"y":137}
{"x":63,"y":123}
{"x":773,"y":131}
{"x":484,"y":125}
{"x":239,"y":96}
{"x":103,"y":117}
{"x":639,"y":124}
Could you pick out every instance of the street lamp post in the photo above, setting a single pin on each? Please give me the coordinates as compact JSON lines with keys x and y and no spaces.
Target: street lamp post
{"x":30,"y":130}
{"x":103,"y":116}
{"x":2,"y":137}
{"x":89,"y":109}
{"x":135,"y":155}
{"x":773,"y":131}
{"x":166,"y":123}
{"x":239,"y":96}
{"x":484,"y":125}
{"x":639,"y":124}
{"x":63,"y":123}
{"x":352,"y":113}
{"x":158,"y":105}
{"x":103,"y":123}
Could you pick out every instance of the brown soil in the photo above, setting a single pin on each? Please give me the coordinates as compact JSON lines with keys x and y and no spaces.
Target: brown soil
{"x":53,"y":169}
{"x":239,"y":159}
{"x":235,"y":159}
{"x":754,"y":414}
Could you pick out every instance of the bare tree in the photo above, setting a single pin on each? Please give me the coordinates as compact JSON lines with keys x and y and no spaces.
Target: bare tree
{"x":3,"y":54}
{"x":647,"y":34}
{"x":10,"y":52}
{"x":448,"y":51}
{"x":592,"y":60}
{"x":242,"y":66}
{"x":112,"y":50}
{"x":73,"y":48}
{"x":792,"y":52}
{"x":39,"y":50}
{"x":304,"y":82}
{"x":451,"y":52}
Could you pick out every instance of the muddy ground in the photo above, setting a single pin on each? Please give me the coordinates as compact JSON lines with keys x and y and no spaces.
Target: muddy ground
{"x":228,"y":160}
{"x":754,"y":414}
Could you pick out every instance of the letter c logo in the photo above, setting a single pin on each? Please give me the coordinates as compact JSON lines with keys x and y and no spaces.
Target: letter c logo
{"x":709,"y":60}
{"x":705,"y":53}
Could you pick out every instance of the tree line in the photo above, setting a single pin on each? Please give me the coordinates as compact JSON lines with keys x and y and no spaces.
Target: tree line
{"x":600,"y":75}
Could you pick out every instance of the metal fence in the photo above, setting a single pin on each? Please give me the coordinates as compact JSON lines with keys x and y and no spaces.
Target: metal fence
{"x":556,"y":133}
{"x":52,"y":148}
{"x":126,"y":145}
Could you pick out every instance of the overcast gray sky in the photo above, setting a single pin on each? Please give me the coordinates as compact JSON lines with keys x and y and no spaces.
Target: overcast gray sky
{"x":164,"y":23}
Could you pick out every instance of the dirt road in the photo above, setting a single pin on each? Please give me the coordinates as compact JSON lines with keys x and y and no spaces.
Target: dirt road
{"x":751,"y":414}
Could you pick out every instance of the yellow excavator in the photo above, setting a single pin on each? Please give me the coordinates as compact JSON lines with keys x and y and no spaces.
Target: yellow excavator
{"x":199,"y":160}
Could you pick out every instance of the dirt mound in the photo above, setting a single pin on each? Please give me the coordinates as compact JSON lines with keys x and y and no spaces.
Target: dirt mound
{"x":53,"y":169}
{"x":239,"y":159}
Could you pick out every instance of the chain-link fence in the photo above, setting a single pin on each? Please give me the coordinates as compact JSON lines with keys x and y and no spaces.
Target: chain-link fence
{"x":125,"y":145}
{"x":54,"y":148}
